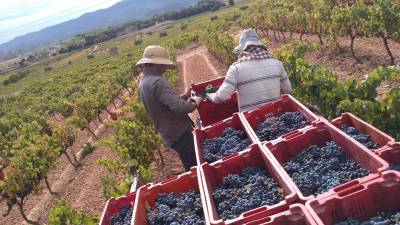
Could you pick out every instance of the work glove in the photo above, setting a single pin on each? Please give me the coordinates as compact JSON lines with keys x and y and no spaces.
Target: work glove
{"x":196,"y":99}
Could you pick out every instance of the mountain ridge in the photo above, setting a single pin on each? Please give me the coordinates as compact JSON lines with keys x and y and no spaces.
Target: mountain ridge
{"x":119,"y":13}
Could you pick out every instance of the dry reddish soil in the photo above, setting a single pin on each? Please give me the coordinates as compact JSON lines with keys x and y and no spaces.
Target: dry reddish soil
{"x":371,"y":51}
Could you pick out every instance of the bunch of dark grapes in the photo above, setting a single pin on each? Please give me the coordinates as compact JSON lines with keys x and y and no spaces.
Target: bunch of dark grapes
{"x":274,"y":127}
{"x":360,"y":137}
{"x":230,"y":142}
{"x":316,"y":170}
{"x":239,"y":193}
{"x":380,"y":219}
{"x":177,"y":209}
{"x":395,"y":166}
{"x":124,"y":217}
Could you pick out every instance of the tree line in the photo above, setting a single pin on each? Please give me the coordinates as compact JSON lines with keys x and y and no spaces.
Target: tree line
{"x":88,"y":39}
{"x":327,"y":19}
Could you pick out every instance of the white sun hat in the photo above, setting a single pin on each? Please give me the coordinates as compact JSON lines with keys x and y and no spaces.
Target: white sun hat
{"x":247,"y":37}
{"x":154,"y":54}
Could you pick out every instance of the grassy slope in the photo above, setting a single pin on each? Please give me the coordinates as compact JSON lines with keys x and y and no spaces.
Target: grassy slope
{"x":124,"y":44}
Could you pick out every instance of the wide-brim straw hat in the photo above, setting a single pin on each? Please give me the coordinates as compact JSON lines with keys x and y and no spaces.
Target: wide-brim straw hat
{"x":247,"y":37}
{"x":155,"y":55}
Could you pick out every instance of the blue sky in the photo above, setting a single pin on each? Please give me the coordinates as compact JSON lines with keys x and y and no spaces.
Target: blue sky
{"x":19,"y":17}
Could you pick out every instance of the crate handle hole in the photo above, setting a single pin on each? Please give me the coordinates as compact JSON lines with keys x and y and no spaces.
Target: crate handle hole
{"x":350,"y":190}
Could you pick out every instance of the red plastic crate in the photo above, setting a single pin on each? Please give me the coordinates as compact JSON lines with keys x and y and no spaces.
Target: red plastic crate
{"x":323,"y":132}
{"x":114,"y":205}
{"x":212,"y":113}
{"x":285,"y":104}
{"x":376,"y":135}
{"x":390,"y":153}
{"x":296,"y":214}
{"x":212,"y":175}
{"x":215,"y":131}
{"x":359,"y":201}
{"x":147,"y":195}
{"x":196,"y":89}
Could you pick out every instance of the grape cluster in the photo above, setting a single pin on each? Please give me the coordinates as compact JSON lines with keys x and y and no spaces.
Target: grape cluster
{"x":274,"y":127}
{"x":239,"y":193}
{"x":316,"y":170}
{"x":231,"y":141}
{"x":124,"y":217}
{"x":395,"y":166}
{"x":360,"y":137}
{"x":380,"y":219}
{"x":177,"y":209}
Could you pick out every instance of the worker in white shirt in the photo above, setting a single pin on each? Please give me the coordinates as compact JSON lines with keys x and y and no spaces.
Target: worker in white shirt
{"x":257,"y":77}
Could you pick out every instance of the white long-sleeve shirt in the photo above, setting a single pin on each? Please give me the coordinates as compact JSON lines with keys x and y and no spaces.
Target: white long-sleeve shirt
{"x":257,"y":82}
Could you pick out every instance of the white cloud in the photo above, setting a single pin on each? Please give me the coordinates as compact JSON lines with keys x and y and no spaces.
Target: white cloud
{"x":24,"y":16}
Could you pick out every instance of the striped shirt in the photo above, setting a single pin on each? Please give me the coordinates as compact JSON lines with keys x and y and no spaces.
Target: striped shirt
{"x":257,"y":82}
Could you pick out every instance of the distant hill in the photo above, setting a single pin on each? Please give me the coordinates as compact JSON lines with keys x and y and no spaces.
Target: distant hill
{"x":121,"y":12}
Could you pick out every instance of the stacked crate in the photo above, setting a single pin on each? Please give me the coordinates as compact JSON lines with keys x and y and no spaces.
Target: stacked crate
{"x":359,"y":198}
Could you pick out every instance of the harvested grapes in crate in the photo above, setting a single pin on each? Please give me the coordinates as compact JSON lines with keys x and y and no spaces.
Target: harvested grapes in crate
{"x":231,"y":141}
{"x":276,"y":126}
{"x":252,"y":188}
{"x":315,"y":170}
{"x":177,"y":208}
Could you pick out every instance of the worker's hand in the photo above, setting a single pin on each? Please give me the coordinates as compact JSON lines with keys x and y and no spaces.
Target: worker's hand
{"x":208,"y":97}
{"x":186,"y":95}
{"x":196,"y":99}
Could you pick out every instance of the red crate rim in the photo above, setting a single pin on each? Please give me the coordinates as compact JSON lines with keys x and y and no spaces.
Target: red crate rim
{"x":194,"y":171}
{"x":112,"y":202}
{"x":270,"y":217}
{"x":198,"y":140}
{"x":352,"y":192}
{"x":385,"y":138}
{"x":290,"y":194}
{"x":307,"y":113}
{"x":384,"y":166}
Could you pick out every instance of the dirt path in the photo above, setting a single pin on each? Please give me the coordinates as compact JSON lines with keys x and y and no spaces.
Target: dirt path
{"x":195,"y":64}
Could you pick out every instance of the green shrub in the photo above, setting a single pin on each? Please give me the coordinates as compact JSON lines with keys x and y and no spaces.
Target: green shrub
{"x":184,"y":26}
{"x":138,"y":42}
{"x":163,"y":34}
{"x":63,"y":214}
{"x":213,"y":18}
{"x":16,"y":77}
{"x":87,"y":149}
